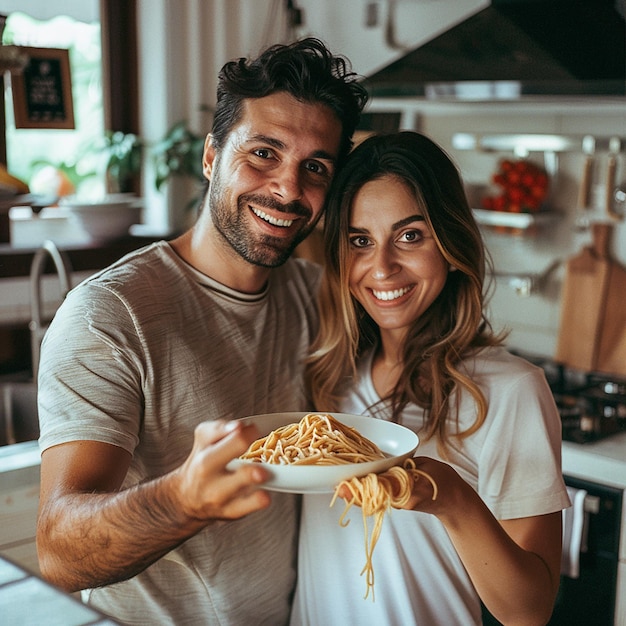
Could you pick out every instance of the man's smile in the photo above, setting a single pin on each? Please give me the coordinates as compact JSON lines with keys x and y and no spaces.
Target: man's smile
{"x":285,"y":223}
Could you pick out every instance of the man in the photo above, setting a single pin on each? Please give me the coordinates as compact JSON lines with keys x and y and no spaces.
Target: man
{"x":146,"y":363}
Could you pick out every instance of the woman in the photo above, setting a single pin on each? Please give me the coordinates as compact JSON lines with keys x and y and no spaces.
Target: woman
{"x":404,"y":337}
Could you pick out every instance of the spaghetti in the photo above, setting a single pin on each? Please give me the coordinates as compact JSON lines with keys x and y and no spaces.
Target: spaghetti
{"x":376,"y":494}
{"x":317,"y":439}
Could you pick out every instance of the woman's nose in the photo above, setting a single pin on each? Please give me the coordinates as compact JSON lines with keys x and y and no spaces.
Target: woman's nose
{"x":384,"y":264}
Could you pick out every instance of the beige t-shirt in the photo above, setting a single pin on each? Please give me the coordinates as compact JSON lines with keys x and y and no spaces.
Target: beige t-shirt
{"x":137,"y":356}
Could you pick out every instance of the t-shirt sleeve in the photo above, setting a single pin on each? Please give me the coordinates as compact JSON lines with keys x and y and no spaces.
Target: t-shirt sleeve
{"x":90,"y":372}
{"x":520,"y":462}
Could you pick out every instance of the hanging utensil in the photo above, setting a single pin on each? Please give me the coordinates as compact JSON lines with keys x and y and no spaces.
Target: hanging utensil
{"x":583,"y":301}
{"x":611,"y":169}
{"x":592,"y":333}
{"x":584,"y":191}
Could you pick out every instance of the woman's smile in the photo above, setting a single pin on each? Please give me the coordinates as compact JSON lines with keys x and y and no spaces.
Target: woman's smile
{"x":391,"y":295}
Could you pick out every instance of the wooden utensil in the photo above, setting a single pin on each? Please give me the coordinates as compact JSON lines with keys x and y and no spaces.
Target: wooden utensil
{"x":583,"y":303}
{"x":611,"y":354}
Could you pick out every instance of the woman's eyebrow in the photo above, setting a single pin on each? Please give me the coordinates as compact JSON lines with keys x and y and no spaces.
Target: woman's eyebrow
{"x":403,"y":222}
{"x":408,"y":220}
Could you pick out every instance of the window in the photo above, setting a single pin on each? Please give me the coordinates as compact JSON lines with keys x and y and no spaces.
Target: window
{"x":57,"y":162}
{"x":104,"y":76}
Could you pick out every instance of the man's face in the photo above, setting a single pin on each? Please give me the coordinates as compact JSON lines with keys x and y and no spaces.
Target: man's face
{"x":269,"y":183}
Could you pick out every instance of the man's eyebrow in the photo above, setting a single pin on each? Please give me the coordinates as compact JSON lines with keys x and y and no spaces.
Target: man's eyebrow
{"x":400,"y":224}
{"x":272,"y":141}
{"x":279,"y":145}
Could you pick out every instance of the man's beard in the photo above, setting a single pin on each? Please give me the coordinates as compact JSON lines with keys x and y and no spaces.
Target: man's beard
{"x":263,"y":250}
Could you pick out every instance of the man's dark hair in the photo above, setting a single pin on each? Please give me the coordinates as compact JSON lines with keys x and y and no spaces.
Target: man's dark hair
{"x":306,"y":69}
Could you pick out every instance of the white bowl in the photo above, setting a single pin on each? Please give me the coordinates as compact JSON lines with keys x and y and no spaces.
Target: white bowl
{"x":396,"y":441}
{"x":107,"y":219}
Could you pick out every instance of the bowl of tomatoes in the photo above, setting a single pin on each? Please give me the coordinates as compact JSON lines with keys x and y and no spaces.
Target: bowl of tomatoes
{"x":521,"y":186}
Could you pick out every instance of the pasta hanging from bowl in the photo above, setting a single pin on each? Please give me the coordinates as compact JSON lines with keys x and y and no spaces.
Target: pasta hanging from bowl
{"x":320,"y":439}
{"x":376,"y":494}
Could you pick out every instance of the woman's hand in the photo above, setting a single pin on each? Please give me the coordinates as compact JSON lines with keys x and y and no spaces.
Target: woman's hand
{"x":424,"y":496}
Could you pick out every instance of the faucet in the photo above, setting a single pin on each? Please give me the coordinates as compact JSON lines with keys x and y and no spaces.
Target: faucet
{"x":63,"y":269}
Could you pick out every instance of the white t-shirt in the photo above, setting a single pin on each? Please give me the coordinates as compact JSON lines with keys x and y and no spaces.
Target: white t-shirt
{"x":140,"y":354}
{"x":513,"y":461}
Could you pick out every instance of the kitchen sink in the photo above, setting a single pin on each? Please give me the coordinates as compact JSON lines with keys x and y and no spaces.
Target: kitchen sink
{"x":18,"y":412}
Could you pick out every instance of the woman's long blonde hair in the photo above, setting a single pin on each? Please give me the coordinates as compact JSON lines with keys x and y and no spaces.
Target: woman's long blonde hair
{"x":454,"y":325}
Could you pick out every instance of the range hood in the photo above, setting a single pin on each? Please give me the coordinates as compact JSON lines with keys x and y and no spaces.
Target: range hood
{"x":517,"y":48}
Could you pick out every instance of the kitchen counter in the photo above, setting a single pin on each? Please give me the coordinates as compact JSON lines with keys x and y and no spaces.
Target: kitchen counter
{"x":602,"y":462}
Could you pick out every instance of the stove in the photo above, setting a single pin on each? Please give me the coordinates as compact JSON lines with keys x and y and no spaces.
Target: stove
{"x":592,"y":405}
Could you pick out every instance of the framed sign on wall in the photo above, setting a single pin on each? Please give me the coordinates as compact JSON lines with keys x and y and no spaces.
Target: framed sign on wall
{"x":42,"y":92}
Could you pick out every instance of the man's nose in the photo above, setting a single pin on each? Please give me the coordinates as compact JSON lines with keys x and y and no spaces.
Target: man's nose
{"x":287,"y":183}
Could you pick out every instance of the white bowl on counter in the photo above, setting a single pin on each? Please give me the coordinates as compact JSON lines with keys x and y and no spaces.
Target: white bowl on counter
{"x":107,"y":218}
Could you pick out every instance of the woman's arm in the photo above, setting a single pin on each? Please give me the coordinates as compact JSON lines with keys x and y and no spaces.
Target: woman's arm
{"x":91,"y":534}
{"x":514,"y":564}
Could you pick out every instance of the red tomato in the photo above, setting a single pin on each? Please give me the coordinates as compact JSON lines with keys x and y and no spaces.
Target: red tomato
{"x":513,"y":177}
{"x":498,"y":203}
{"x":538,"y":192}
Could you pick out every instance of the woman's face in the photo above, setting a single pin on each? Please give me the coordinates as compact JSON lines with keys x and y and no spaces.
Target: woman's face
{"x":396,"y":268}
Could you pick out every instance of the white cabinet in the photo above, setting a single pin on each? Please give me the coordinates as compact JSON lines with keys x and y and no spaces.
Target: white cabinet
{"x":374,"y":33}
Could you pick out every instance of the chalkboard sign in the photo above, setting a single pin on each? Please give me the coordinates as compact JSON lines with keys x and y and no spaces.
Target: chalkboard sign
{"x":42,"y":92}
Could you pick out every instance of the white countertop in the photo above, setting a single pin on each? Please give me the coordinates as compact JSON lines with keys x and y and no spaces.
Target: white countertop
{"x":603,"y":461}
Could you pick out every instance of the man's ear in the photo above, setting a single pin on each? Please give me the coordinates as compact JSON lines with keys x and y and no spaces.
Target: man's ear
{"x":208,"y":157}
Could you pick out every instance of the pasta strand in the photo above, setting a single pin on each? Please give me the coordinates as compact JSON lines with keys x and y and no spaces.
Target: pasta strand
{"x":376,"y":494}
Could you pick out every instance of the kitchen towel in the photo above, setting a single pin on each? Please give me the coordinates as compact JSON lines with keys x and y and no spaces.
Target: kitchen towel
{"x":575,"y":520}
